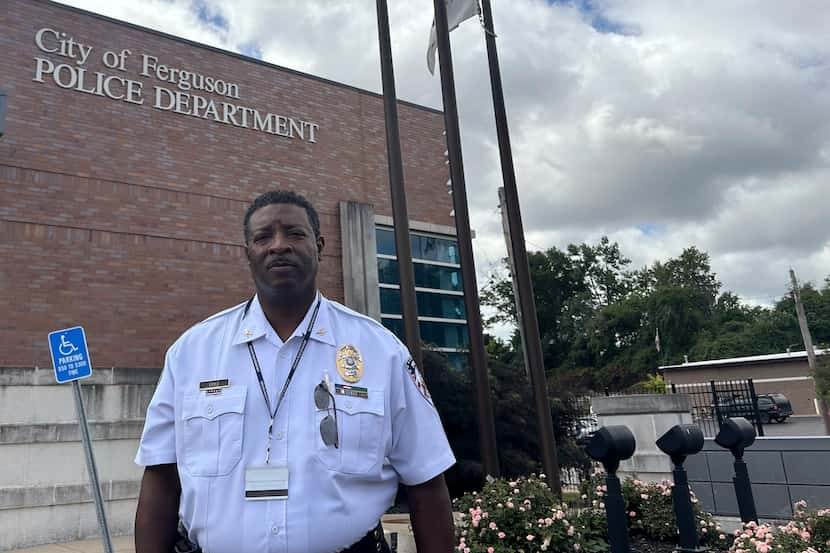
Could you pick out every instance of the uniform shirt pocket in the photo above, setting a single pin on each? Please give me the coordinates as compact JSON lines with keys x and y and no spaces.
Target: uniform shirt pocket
{"x":360,"y":431}
{"x":213,"y":429}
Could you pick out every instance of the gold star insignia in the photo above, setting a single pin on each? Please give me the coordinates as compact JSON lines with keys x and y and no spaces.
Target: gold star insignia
{"x":321,"y":332}
{"x":247,"y":333}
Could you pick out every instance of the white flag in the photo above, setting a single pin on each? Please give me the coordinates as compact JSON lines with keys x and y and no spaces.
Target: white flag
{"x":457,"y":12}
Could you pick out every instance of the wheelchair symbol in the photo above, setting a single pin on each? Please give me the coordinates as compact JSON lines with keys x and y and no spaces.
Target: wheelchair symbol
{"x":66,"y":347}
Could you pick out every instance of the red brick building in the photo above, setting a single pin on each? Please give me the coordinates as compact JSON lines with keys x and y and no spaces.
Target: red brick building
{"x":130,"y":156}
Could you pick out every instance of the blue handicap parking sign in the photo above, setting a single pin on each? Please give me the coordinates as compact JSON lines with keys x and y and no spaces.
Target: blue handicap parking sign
{"x":70,"y":356}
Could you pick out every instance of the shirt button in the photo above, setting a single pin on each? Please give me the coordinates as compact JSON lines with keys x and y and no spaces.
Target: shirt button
{"x":275,"y":530}
{"x":348,"y":404}
{"x":279,"y":435}
{"x":210,"y":409}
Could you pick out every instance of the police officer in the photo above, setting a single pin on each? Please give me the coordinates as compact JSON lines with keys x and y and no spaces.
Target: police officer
{"x":285,"y":424}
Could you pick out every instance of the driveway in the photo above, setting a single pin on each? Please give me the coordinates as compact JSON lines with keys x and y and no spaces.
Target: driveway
{"x":796,"y":426}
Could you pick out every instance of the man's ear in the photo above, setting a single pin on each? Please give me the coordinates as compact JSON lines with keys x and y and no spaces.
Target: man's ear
{"x":247,"y":247}
{"x":321,"y":242}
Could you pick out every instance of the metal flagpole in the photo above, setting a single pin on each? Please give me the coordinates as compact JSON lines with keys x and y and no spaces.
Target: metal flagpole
{"x":403,"y":248}
{"x":95,"y":488}
{"x":478,"y":357}
{"x":525,"y":299}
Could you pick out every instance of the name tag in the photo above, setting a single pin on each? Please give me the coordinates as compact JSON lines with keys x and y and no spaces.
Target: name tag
{"x":351,"y":391}
{"x":266,"y":482}
{"x":214,"y":386}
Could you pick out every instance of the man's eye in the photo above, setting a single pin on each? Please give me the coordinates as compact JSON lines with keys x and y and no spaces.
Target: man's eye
{"x":260,"y":238}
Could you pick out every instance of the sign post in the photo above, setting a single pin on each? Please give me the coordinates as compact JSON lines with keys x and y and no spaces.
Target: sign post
{"x":70,"y":359}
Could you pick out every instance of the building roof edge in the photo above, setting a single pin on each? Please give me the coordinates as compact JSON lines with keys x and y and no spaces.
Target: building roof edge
{"x":751,"y":360}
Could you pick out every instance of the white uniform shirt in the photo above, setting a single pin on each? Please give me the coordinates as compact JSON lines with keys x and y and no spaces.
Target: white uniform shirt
{"x":335,"y":496}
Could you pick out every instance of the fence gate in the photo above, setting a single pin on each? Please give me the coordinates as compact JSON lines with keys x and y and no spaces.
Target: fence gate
{"x":714,"y":401}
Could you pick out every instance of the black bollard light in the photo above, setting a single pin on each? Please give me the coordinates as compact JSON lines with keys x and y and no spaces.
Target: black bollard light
{"x":737,"y":434}
{"x":679,"y":442}
{"x":609,"y":445}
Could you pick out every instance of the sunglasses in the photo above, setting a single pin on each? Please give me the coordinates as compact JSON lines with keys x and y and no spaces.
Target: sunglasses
{"x":328,"y":426}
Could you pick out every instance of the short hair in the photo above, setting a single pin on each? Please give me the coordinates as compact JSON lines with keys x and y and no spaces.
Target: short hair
{"x":282,"y":197}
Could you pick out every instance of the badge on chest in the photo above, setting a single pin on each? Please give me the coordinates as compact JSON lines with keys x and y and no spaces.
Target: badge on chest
{"x":266,"y":482}
{"x":349,"y":363}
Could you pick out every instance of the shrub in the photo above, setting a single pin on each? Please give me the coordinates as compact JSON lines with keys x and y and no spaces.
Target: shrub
{"x":651,"y":512}
{"x":523,"y":515}
{"x":807,"y":532}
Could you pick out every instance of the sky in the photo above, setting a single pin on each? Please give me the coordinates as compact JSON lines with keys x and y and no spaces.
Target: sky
{"x":659,"y":124}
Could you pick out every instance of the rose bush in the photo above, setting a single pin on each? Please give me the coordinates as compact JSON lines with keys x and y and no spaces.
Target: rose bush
{"x":523,"y":515}
{"x":807,"y":532}
{"x":651,"y":511}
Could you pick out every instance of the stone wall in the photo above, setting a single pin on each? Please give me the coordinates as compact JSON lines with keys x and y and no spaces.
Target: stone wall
{"x":44,"y":484}
{"x":648,"y":417}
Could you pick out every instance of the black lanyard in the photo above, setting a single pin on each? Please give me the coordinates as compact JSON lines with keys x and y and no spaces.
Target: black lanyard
{"x":263,"y":388}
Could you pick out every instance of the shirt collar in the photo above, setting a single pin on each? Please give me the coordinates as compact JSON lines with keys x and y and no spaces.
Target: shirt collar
{"x":255,"y":325}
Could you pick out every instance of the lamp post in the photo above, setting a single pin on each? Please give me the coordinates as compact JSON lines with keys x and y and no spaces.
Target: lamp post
{"x":737,"y":434}
{"x":678,"y":442}
{"x":609,"y":445}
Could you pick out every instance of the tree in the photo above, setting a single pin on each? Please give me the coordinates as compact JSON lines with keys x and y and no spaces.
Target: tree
{"x":568,"y":287}
{"x":598,"y":318}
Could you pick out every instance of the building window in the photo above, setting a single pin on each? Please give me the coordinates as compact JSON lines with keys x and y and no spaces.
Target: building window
{"x":439,"y":293}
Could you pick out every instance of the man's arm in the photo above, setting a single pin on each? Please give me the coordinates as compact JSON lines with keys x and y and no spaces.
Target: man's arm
{"x":431,"y":513}
{"x":157,"y":516}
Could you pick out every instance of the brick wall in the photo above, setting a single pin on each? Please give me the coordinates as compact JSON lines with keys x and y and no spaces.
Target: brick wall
{"x":127,"y":219}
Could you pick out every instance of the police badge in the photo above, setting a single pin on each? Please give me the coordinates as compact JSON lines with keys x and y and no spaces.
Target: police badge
{"x":349,"y":363}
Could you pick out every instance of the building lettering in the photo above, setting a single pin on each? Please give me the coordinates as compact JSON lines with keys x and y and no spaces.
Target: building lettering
{"x":71,"y":75}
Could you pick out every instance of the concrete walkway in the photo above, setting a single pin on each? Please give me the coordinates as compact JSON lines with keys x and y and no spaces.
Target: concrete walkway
{"x":397,"y":524}
{"x":121,"y":544}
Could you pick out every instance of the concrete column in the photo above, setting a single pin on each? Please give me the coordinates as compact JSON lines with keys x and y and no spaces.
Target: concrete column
{"x":648,"y":417}
{"x":360,"y":262}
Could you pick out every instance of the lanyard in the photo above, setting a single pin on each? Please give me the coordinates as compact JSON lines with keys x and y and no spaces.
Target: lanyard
{"x":263,"y":389}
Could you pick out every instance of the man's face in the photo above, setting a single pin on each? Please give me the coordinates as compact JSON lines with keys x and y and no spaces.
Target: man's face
{"x":282,"y":251}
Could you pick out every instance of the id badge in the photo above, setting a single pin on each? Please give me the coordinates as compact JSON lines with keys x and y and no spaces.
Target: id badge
{"x":266,"y":482}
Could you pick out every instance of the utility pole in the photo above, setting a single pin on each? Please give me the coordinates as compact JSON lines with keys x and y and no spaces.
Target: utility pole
{"x":478,"y":356}
{"x":808,"y":346}
{"x":525,"y":299}
{"x":400,"y":217}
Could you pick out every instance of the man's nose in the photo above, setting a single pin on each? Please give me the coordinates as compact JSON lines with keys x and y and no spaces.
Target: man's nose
{"x":279,"y":242}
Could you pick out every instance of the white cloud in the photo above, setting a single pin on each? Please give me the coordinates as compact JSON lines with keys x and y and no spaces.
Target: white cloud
{"x":710,"y":123}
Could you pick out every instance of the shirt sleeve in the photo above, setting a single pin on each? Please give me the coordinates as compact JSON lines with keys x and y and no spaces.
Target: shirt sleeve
{"x":158,"y":441}
{"x":420,"y":450}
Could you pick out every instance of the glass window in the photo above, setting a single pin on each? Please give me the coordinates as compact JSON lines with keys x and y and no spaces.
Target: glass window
{"x":434,"y":249}
{"x":442,"y":335}
{"x":441,"y":278}
{"x":457,"y":360}
{"x":386,"y":241}
{"x":448,"y":335}
{"x":423,"y":247}
{"x":388,"y":272}
{"x":429,"y":304}
{"x":390,"y":301}
{"x":441,"y":305}
{"x":426,"y":276}
{"x":395,"y":325}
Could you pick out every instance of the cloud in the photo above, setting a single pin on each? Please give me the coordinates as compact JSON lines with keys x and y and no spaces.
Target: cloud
{"x":660,"y":124}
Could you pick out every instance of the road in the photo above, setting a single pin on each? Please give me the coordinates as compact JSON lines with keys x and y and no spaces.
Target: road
{"x":796,"y":426}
